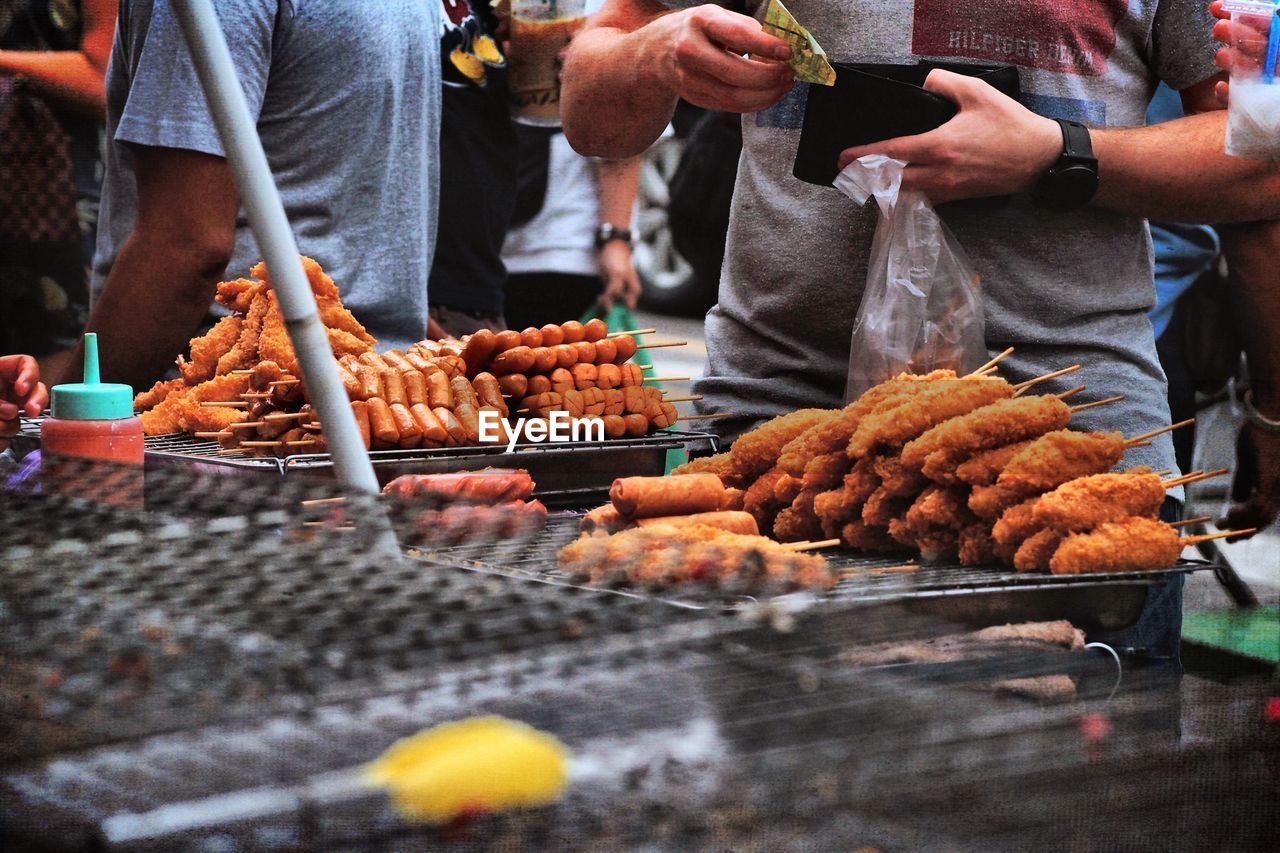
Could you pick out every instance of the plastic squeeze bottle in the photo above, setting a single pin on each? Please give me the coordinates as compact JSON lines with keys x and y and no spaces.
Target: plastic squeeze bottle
{"x":93,"y":419}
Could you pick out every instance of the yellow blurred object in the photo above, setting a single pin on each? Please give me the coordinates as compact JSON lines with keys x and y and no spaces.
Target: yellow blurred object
{"x":469,"y":65}
{"x":484,"y":764}
{"x":486,"y":49}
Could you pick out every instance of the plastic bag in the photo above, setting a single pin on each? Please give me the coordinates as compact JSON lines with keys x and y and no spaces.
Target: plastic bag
{"x":921,"y":309}
{"x":1253,"y":110}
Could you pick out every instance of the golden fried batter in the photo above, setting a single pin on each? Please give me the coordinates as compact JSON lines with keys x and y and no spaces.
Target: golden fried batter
{"x":982,"y":468}
{"x":994,"y":425}
{"x":937,"y":402}
{"x":207,"y":349}
{"x":757,"y":451}
{"x":864,"y":537}
{"x":976,"y":547}
{"x":1059,"y":457}
{"x":798,"y":522}
{"x":721,"y":464}
{"x":245,"y":353}
{"x":1126,"y":545}
{"x":183,"y":406}
{"x":1088,"y":502}
{"x":1035,"y":552}
{"x":155,"y":395}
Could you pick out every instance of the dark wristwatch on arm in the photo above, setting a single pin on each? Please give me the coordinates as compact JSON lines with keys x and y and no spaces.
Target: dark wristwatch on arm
{"x":1071,"y":182}
{"x":607,"y":233}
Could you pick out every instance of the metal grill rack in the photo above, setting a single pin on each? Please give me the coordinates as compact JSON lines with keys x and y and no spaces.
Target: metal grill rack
{"x":960,"y":593}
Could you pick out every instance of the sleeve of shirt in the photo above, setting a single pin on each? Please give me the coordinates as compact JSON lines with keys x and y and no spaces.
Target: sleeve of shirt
{"x":1182,"y":43}
{"x":165,"y":106}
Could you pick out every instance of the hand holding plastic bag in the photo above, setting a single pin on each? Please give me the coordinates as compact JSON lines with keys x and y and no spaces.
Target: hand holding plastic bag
{"x":921,"y":309}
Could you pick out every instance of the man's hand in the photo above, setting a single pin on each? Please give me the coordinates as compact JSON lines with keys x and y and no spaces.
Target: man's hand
{"x":993,"y":145}
{"x":1256,"y":489}
{"x":21,"y":392}
{"x":619,"y":275}
{"x":700,"y":59}
{"x":1245,"y":44}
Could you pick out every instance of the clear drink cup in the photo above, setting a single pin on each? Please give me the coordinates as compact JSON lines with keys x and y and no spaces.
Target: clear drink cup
{"x":1253,"y":110}
{"x":540,"y":31}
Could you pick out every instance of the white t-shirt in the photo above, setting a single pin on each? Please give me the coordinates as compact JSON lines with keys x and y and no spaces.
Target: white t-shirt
{"x":561,"y":238}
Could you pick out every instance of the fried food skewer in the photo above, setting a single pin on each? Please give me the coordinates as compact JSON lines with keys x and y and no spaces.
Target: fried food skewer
{"x":1022,"y":386}
{"x":1106,"y":401}
{"x":992,"y":363}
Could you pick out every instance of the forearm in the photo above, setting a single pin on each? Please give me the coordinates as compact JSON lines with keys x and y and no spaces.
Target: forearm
{"x":151,"y":306}
{"x":1177,"y":171}
{"x":1251,"y":251}
{"x":66,"y":76}
{"x":618,"y":182}
{"x":613,"y":103}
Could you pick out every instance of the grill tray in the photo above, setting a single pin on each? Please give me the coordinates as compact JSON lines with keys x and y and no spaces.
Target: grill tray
{"x":965,"y":595}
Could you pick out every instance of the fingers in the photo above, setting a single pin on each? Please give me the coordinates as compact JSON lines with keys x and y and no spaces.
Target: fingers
{"x":716,"y":96}
{"x":8,"y":412}
{"x":37,"y":401}
{"x":1215,"y":8}
{"x":956,"y":88}
{"x":739,"y":33}
{"x":921,"y":148}
{"x":20,"y":372}
{"x":1222,"y":91}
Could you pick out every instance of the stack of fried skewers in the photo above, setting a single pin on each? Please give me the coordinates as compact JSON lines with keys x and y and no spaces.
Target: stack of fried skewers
{"x":966,"y":468}
{"x":241,"y":384}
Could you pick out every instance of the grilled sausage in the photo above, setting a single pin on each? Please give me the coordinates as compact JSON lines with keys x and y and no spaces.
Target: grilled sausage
{"x":627,"y":347}
{"x":396,"y":359}
{"x":433,"y":432}
{"x":370,"y":384}
{"x":420,"y":362}
{"x":489,"y":393}
{"x":614,"y":426}
{"x":566,"y":355}
{"x":573,"y":332}
{"x":654,"y":497}
{"x":544,"y":360}
{"x":514,"y":385}
{"x":637,"y":424}
{"x":415,"y":387}
{"x":469,"y":417}
{"x":573,"y":403}
{"x":584,"y":375}
{"x":531,"y":337}
{"x":632,"y":374}
{"x":478,"y":351}
{"x":516,"y":360}
{"x":608,"y":376}
{"x":350,"y":383}
{"x":438,"y":393}
{"x":538,"y":385}
{"x":562,"y":380}
{"x":606,"y":351}
{"x":372,"y":359}
{"x":507,"y":340}
{"x":456,"y":434}
{"x":382,"y":424}
{"x":360,"y":409}
{"x":592,"y":402}
{"x":552,"y":335}
{"x":634,"y":401}
{"x":594,"y":330}
{"x":452,"y":365}
{"x":407,"y":425}
{"x":392,"y":386}
{"x":614,"y":402}
{"x":464,"y":393}
{"x":586,"y":352}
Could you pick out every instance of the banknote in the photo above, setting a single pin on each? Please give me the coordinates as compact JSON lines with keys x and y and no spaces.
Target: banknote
{"x":808,"y":59}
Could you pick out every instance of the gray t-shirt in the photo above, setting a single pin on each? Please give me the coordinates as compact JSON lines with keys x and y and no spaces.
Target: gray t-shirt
{"x":1062,"y":288}
{"x":347,"y":101}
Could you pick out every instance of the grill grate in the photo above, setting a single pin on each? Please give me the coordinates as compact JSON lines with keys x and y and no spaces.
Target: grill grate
{"x":863,"y":577}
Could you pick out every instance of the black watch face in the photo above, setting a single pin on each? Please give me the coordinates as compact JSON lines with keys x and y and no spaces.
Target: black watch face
{"x":1070,"y":187}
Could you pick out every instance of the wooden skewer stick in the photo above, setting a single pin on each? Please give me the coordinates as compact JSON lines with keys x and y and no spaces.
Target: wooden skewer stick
{"x":236,"y":404}
{"x":1200,"y":519}
{"x":256,"y":395}
{"x":226,"y":433}
{"x":285,"y":416}
{"x":664,"y":344}
{"x":245,"y":371}
{"x":1022,"y":386}
{"x":284,"y":382}
{"x":1208,"y":537}
{"x":893,"y":570}
{"x":1065,"y":394}
{"x":1170,"y":428}
{"x":687,"y":399}
{"x":261,"y":443}
{"x":646,"y":367}
{"x":227,"y":450}
{"x":247,"y":425}
{"x":811,"y":546}
{"x":632,"y":332}
{"x":1193,"y":477}
{"x":707,"y":417}
{"x":993,"y":362}
{"x":1106,"y":401}
{"x":324,"y":501}
{"x":667,"y":379}
{"x":1145,"y":444}
{"x":1165,"y":473}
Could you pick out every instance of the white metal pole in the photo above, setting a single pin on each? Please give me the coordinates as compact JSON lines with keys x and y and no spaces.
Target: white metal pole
{"x":262,"y":203}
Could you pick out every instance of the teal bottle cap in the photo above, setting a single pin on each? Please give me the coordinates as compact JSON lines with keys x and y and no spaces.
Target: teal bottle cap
{"x":92,"y":399}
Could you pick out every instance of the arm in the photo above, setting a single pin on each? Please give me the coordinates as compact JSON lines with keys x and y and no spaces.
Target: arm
{"x":618,"y":180}
{"x":75,"y":78}
{"x":625,"y":72}
{"x":1255,"y":293}
{"x":1175,"y":171}
{"x":163,"y":282}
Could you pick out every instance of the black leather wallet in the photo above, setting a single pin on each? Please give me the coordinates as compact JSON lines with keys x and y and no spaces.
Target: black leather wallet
{"x":870,"y":103}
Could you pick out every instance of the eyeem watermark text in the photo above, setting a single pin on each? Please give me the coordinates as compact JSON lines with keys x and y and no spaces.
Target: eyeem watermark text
{"x":558,"y":428}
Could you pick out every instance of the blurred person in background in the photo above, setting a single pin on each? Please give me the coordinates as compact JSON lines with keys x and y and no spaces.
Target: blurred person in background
{"x":478,"y":167}
{"x":576,"y":251}
{"x":53,"y":61}
{"x":346,"y":100}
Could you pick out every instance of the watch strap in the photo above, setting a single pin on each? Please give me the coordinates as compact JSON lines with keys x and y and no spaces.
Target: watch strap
{"x":1076,"y":143}
{"x":608,"y":232}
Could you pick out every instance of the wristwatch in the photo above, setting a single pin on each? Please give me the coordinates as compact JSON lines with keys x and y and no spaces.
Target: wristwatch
{"x":1071,"y":182}
{"x":607,"y":233}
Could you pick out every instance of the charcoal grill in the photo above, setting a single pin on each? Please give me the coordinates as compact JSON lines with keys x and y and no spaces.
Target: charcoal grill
{"x":966,"y":595}
{"x":574,"y":473}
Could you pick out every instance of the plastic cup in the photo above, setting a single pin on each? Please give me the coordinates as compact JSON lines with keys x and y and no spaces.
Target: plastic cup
{"x":540,"y":31}
{"x":1253,"y":110}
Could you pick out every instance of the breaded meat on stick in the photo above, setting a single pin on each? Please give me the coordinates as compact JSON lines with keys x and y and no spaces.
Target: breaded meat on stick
{"x":983,"y":467}
{"x":208,"y":348}
{"x":1132,"y":544}
{"x":1088,"y":502}
{"x":721,"y":464}
{"x":937,"y":452}
{"x":940,"y":401}
{"x":798,"y":522}
{"x":1046,"y":463}
{"x":757,"y":451}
